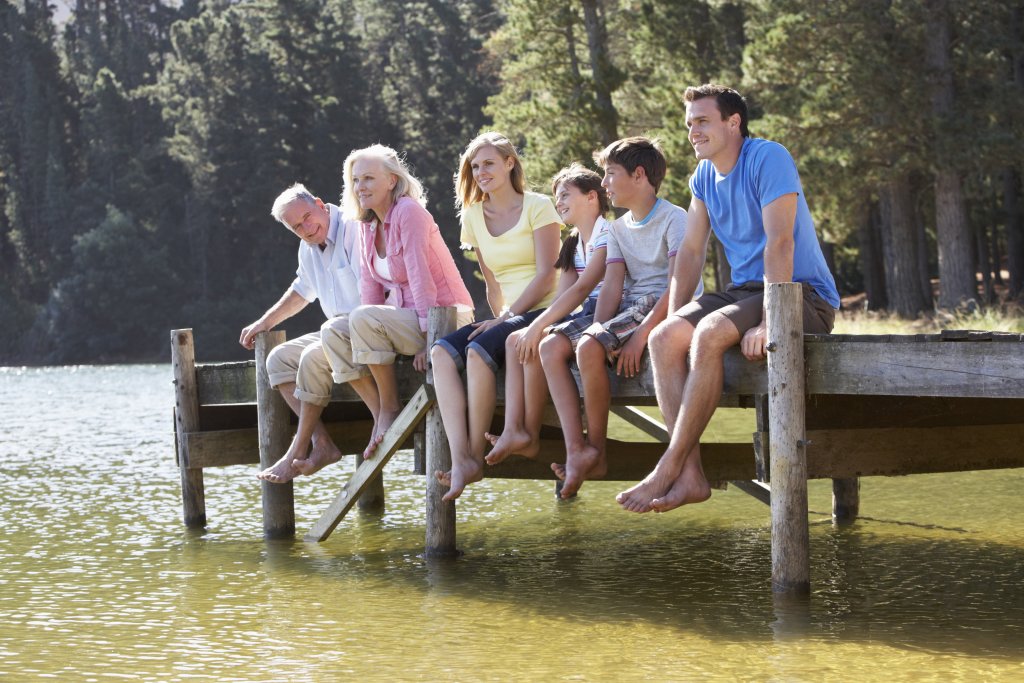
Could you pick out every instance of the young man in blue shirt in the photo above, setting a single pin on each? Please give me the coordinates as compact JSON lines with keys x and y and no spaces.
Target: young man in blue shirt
{"x":748,"y":191}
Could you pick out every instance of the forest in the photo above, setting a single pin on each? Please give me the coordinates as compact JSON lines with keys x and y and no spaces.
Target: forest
{"x":143,"y":143}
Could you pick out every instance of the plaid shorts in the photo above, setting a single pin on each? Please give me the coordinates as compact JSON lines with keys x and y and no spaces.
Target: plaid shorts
{"x":612,"y":333}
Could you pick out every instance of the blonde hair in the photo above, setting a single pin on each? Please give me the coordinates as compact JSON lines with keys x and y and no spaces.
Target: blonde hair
{"x":467,"y":192}
{"x":407,"y":185}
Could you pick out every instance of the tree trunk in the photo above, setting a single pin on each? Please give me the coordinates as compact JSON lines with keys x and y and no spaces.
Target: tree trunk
{"x":1014,"y":232}
{"x":899,"y":246}
{"x":957,"y":282}
{"x":871,"y":259}
{"x":984,"y":265}
{"x":601,"y":67}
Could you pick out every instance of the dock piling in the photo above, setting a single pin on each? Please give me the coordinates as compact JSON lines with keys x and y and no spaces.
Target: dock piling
{"x":186,"y":411}
{"x":440,"y":536}
{"x":845,"y":500}
{"x":274,"y":438}
{"x":787,"y":441}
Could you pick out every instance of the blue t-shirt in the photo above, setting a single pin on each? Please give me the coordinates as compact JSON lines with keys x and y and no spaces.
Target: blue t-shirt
{"x":764,"y":172}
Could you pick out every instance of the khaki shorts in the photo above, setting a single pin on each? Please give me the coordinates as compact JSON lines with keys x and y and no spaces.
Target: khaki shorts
{"x":744,"y":304}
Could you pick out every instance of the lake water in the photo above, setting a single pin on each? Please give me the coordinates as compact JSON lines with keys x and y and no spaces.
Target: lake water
{"x":99,"y":580}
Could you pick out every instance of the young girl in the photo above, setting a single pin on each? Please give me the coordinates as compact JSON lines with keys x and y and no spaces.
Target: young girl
{"x":581,"y":202}
{"x":515,"y":235}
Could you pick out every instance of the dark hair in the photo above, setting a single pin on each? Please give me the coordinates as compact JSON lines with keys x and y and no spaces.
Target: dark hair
{"x":633,"y":152}
{"x":586,"y":181}
{"x":728,"y":100}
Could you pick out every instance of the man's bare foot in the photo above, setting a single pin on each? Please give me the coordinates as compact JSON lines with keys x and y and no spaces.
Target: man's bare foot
{"x":581,"y":464}
{"x":324,"y":453}
{"x":384,"y":420}
{"x":691,"y":487}
{"x":281,"y":472}
{"x":458,"y":478}
{"x":511,"y":442}
{"x":639,"y":498}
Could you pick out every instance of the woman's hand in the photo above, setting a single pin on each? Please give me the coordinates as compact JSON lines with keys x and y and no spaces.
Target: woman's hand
{"x":419,"y":361}
{"x":529,"y":342}
{"x":485,"y":325}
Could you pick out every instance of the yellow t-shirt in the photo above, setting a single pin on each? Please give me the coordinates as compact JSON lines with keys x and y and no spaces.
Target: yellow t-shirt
{"x":510,"y":256}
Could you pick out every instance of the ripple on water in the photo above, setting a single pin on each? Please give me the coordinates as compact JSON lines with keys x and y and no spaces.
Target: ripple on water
{"x":100,"y":579}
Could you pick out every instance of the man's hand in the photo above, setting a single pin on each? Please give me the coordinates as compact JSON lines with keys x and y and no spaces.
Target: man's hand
{"x":248,"y":336}
{"x":419,"y":361}
{"x":630,"y":354}
{"x":754,"y":341}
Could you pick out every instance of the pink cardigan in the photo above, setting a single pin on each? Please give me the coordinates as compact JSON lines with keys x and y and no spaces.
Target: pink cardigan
{"x":423,"y":271}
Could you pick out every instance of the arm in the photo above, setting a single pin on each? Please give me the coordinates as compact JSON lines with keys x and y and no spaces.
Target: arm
{"x":689,"y":260}
{"x":493,"y":289}
{"x":545,"y":253}
{"x":779,"y":218}
{"x":575,"y":292}
{"x":633,"y":349}
{"x":610,"y":296}
{"x":287,"y":306}
{"x":414,"y":227}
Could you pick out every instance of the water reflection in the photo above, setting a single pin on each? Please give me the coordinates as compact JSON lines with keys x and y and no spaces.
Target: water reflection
{"x":99,"y":577}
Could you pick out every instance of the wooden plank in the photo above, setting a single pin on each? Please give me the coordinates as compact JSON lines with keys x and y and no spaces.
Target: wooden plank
{"x":403,"y":428}
{"x":981,"y":370}
{"x":791,"y":558}
{"x":642,"y":421}
{"x":439,"y":538}
{"x":630,"y":461}
{"x":755,"y":489}
{"x":186,"y":419}
{"x":843,"y":411}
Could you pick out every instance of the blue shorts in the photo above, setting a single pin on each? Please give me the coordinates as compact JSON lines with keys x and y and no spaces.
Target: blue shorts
{"x":490,"y":345}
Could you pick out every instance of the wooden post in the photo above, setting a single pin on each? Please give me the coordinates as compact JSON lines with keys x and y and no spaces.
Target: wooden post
{"x":274,"y":435}
{"x":786,"y":405}
{"x":372,"y":499}
{"x":440,"y":514}
{"x":845,"y":500}
{"x":186,"y":401}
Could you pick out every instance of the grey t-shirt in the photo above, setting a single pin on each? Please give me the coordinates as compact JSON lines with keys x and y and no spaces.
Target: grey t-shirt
{"x":645,"y":247}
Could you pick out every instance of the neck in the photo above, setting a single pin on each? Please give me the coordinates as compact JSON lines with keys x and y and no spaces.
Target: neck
{"x":504,"y":197}
{"x":586,"y":228}
{"x":642,"y":207}
{"x":382,"y":211}
{"x":726,"y":160}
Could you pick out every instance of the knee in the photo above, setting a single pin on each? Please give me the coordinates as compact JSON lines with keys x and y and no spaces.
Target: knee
{"x":672,"y":336}
{"x":511,"y":341}
{"x":590,"y":353}
{"x":276,"y":362}
{"x":440,"y":358}
{"x":713,"y":335}
{"x":554,"y":348}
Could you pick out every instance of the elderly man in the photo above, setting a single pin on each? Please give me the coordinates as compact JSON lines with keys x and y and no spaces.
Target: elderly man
{"x":304,"y":369}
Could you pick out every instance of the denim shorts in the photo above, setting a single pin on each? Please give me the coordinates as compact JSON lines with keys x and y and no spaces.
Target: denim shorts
{"x":490,"y":345}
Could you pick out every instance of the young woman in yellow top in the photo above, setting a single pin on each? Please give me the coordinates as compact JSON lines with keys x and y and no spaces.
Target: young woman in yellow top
{"x":515,"y":234}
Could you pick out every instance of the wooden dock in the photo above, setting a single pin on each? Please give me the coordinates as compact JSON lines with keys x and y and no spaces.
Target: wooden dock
{"x":827,"y":406}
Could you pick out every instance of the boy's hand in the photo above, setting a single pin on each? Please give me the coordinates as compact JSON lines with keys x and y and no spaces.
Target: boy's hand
{"x":630,"y":355}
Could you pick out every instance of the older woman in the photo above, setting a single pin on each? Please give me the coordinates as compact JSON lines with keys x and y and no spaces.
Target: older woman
{"x":405,"y":269}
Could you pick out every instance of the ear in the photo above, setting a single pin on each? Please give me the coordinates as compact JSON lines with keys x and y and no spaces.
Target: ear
{"x":394,"y":181}
{"x":510,"y":163}
{"x":320,"y":204}
{"x":639,"y":174}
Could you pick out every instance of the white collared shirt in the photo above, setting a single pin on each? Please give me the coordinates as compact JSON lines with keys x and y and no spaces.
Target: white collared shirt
{"x":331,"y":274}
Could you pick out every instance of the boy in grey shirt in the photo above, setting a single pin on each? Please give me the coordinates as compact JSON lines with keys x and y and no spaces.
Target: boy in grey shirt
{"x":633,"y":300}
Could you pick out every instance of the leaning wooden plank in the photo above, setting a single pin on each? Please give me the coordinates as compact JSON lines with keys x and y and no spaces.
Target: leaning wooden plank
{"x":396,"y":435}
{"x":970,"y":370}
{"x":642,"y":421}
{"x":754,"y":488}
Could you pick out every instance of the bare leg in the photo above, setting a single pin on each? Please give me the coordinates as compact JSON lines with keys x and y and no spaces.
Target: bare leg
{"x":389,"y":405}
{"x":451,"y":401}
{"x":324,"y":451}
{"x":669,"y":345}
{"x":713,"y":336}
{"x":585,"y":458}
{"x":513,"y":438}
{"x":283,"y":470}
{"x":555,"y":352}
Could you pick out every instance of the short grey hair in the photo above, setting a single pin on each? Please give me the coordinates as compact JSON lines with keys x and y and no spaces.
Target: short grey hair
{"x":296,"y":191}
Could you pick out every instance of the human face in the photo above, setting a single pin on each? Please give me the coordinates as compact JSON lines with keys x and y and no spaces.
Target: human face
{"x":575,"y":206}
{"x":373,"y":185}
{"x":621,"y":186}
{"x":490,"y":170}
{"x":712,"y":136}
{"x":309,"y":221}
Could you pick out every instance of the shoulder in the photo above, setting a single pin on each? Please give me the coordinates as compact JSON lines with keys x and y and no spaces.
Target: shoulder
{"x":407,"y":207}
{"x":759,"y":151}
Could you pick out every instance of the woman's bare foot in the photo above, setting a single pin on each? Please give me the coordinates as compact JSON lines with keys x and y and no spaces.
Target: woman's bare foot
{"x":324,"y":453}
{"x":581,"y":464}
{"x":511,"y":442}
{"x":639,"y":498}
{"x":459,"y":477}
{"x":381,"y":424}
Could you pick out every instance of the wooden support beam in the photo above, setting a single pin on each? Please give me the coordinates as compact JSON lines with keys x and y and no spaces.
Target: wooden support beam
{"x":791,"y":560}
{"x":642,"y":421}
{"x":845,"y":500}
{"x":274,"y":438}
{"x":440,"y":531}
{"x":754,"y":488}
{"x":186,"y":419}
{"x":396,"y":435}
